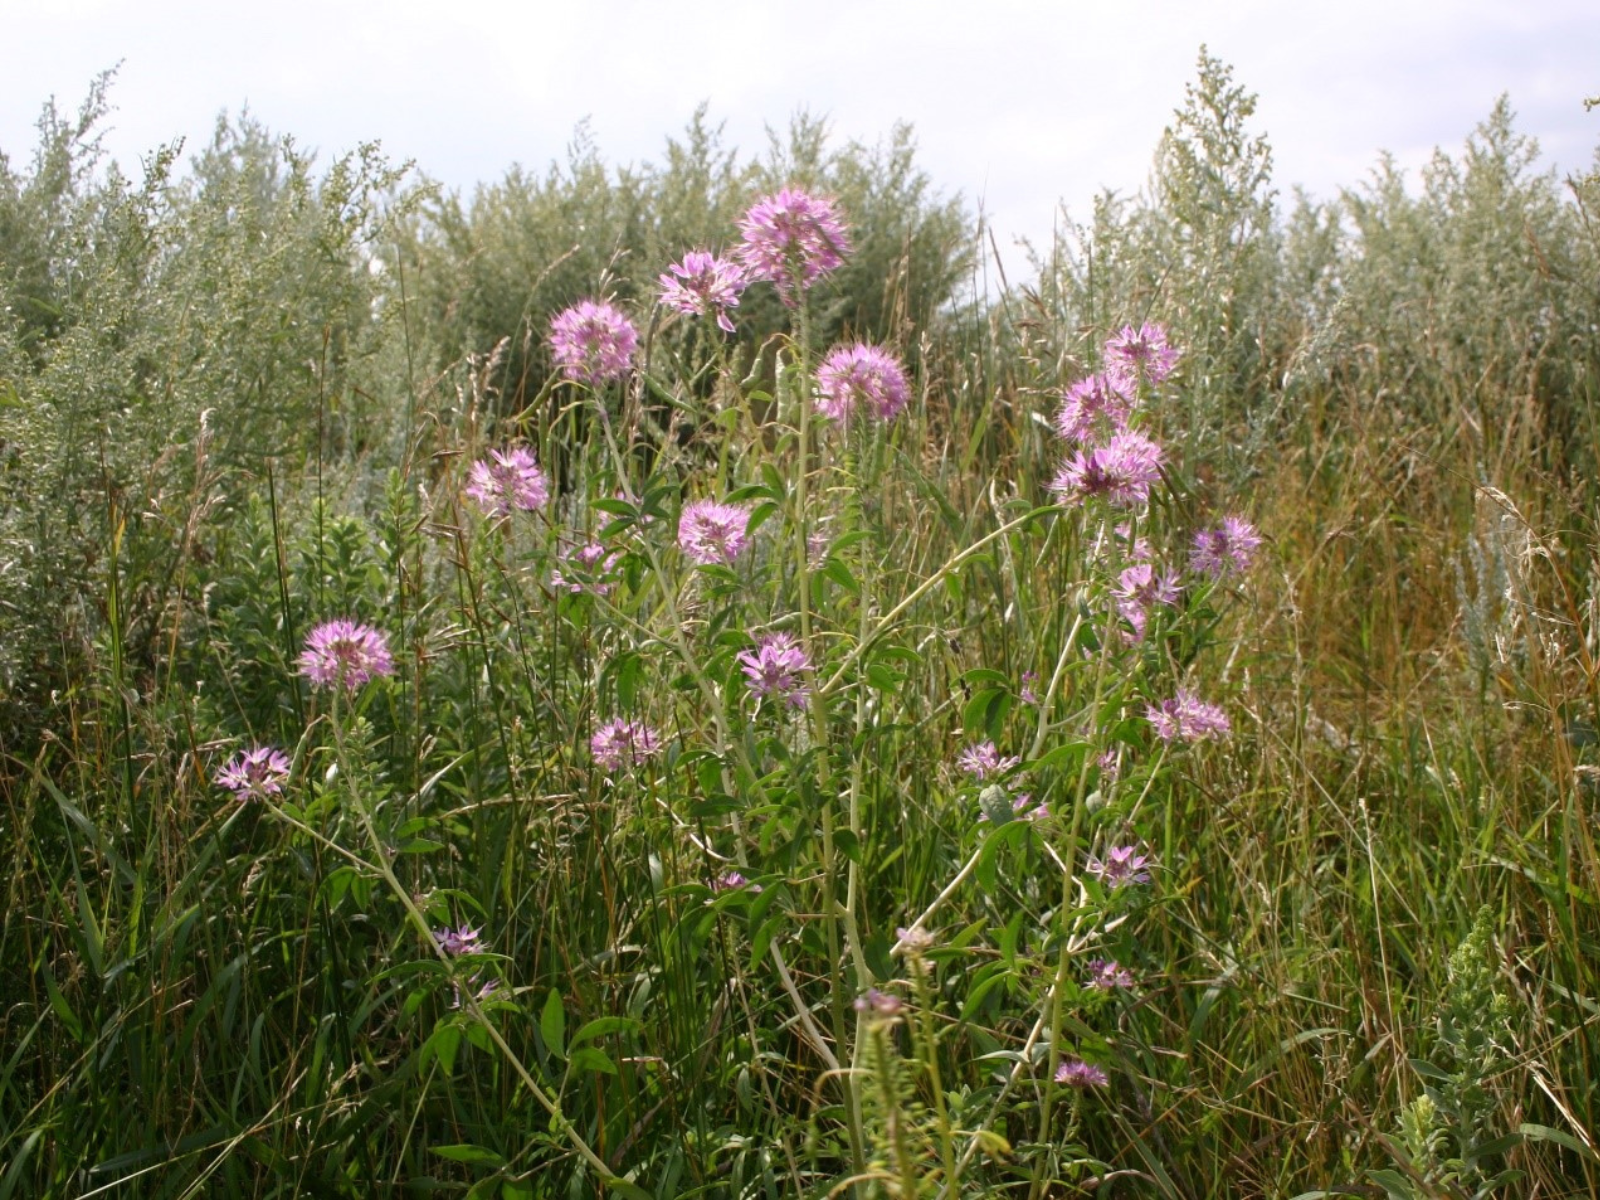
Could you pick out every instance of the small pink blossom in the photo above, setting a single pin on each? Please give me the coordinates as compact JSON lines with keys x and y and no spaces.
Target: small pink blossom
{"x":1108,"y":974}
{"x":255,"y":774}
{"x":1120,"y":472}
{"x":593,"y":343}
{"x":1187,"y":718}
{"x":1121,"y":866}
{"x":982,"y":761}
{"x":793,"y":239}
{"x":776,"y":668}
{"x":342,"y":653}
{"x":704,"y":284}
{"x":1091,"y":403}
{"x":1228,"y":548}
{"x":1137,"y":590}
{"x":730,"y":881}
{"x":620,"y":743}
{"x":456,"y":942}
{"x":861,"y":376}
{"x":1140,"y":355}
{"x":709,"y":532}
{"x":1076,"y":1073}
{"x":508,"y":480}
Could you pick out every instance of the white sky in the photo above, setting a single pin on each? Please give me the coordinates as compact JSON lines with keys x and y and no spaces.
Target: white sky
{"x":1016,"y":103}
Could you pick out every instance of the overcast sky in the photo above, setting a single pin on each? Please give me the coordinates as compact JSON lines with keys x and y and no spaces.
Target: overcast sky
{"x":1017,"y":104}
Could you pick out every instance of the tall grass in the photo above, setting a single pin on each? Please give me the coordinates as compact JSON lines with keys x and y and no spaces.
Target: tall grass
{"x":1363,"y":964}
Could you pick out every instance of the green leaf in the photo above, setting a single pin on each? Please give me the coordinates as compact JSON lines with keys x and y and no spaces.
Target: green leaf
{"x":604,"y":1027}
{"x":476,"y":1155}
{"x":588,"y":1058}
{"x":1543,"y":1133}
{"x":553,"y":1024}
{"x":622,"y":1187}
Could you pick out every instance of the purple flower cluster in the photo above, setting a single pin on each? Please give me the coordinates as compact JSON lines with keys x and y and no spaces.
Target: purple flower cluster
{"x":1107,"y":974}
{"x":508,"y":480}
{"x":1120,"y":472}
{"x":704,"y":285}
{"x":861,"y":376}
{"x":1228,"y":548}
{"x":709,"y":532}
{"x":1091,"y":403}
{"x":1138,"y":356}
{"x":592,"y":343}
{"x":1121,"y":866}
{"x":342,"y":653}
{"x":1076,"y":1073}
{"x":982,"y":761}
{"x":586,"y":558}
{"x":1187,"y":718}
{"x":620,"y":743}
{"x":456,"y":942}
{"x":730,"y":881}
{"x":255,"y":774}
{"x":793,"y":239}
{"x":775,"y":668}
{"x":1137,"y":590}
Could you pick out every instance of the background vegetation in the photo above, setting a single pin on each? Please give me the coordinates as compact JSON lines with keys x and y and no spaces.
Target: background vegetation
{"x":239,"y":396}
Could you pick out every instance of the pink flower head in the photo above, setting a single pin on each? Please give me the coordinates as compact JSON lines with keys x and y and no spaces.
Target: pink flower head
{"x":792,"y":239}
{"x":775,"y":668}
{"x":1120,"y":472}
{"x":1122,"y":865}
{"x":1138,"y":589}
{"x":1088,"y":403}
{"x":1186,"y":718}
{"x":622,"y":743}
{"x":861,"y":375}
{"x":481,"y":992}
{"x":456,"y":942}
{"x":879,"y":1004}
{"x":1140,"y":355}
{"x":255,"y":774}
{"x":1076,"y":1073}
{"x":1230,"y":547}
{"x":587,"y":558}
{"x":1106,"y":974}
{"x":342,"y":652}
{"x":983,"y":760}
{"x":732,"y":880}
{"x":592,"y":343}
{"x":703,"y":284}
{"x":508,"y":480}
{"x":710,"y":533}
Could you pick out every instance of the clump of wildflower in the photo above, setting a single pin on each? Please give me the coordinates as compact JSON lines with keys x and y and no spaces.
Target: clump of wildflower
{"x":731,"y":880}
{"x":880,"y":1004}
{"x":793,"y":239}
{"x":1138,"y":589}
{"x":1187,"y":718}
{"x":915,"y":940}
{"x":709,"y":532}
{"x":863,"y":376}
{"x":1076,"y":1073}
{"x":255,"y":774}
{"x":1089,"y":403}
{"x":1121,"y":471}
{"x":982,"y":761}
{"x":1107,"y":974}
{"x":456,"y":942}
{"x":592,"y":343}
{"x":508,"y":480}
{"x":481,"y":992}
{"x":1027,"y":691}
{"x":775,"y":669}
{"x":1140,"y":355}
{"x":1230,"y":547}
{"x":587,"y":558}
{"x":992,"y":802}
{"x":621,"y":742}
{"x":703,"y":284}
{"x":1122,"y":865}
{"x":344,"y":653}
